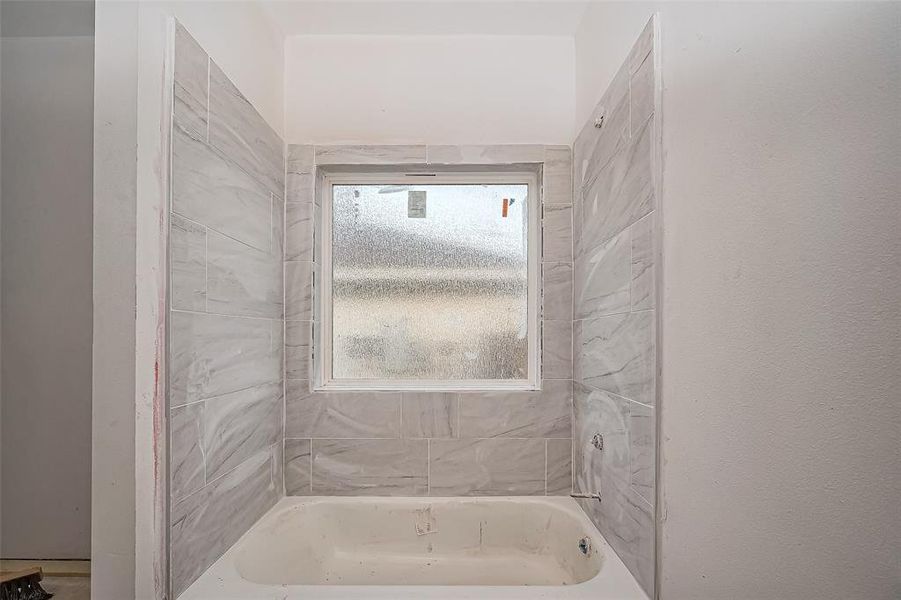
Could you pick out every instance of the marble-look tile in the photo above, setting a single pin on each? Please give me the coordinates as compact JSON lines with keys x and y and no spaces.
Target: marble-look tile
{"x":485,"y":155}
{"x":641,"y":93}
{"x":370,"y":155}
{"x":185,"y":450}
{"x":558,"y":175}
{"x":577,"y":351}
{"x":643,"y":286}
{"x":597,"y":412}
{"x":595,"y":147}
{"x":187,"y":264}
{"x":582,"y":146}
{"x":545,"y":414}
{"x":301,"y":158}
{"x":277,"y":337}
{"x":370,"y":467}
{"x":622,"y":192}
{"x":557,"y":290}
{"x":487,"y":467}
{"x":298,"y":337}
{"x":603,"y":276}
{"x":299,"y":232}
{"x":340,"y":414}
{"x":618,"y":355}
{"x":316,"y":359}
{"x":298,"y":467}
{"x":277,"y":462}
{"x":318,"y":185}
{"x":241,"y":134}
{"x":242,"y":280}
{"x":315,"y":226}
{"x":238,"y":425}
{"x":210,"y":190}
{"x":642,"y":47}
{"x":207,"y":523}
{"x":641,"y":439}
{"x":277,"y":238}
{"x":617,"y":352}
{"x":191,"y":81}
{"x":556,"y":350}
{"x":557,"y":241}
{"x":316,"y":279}
{"x":301,"y":188}
{"x":298,"y":290}
{"x":559,"y":467}
{"x":577,"y":222}
{"x":429,"y":415}
{"x":213,"y":355}
{"x":627,"y":523}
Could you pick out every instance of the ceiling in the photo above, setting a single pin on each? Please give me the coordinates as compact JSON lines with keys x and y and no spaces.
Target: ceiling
{"x":424,"y":17}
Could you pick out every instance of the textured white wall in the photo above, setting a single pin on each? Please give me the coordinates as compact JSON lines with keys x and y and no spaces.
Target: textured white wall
{"x":429,"y":89}
{"x":46,"y":395}
{"x":780,"y":411}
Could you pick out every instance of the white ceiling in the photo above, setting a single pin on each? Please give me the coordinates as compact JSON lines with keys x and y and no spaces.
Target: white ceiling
{"x":424,"y":17}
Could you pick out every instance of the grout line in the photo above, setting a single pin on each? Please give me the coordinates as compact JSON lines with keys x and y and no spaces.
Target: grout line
{"x":428,"y":466}
{"x":572,"y":458}
{"x":572,"y":391}
{"x":208,"y":94}
{"x":629,"y":101}
{"x":597,"y":244}
{"x":192,"y":402}
{"x":284,"y":369}
{"x":631,"y":260}
{"x":651,"y":406}
{"x":217,"y":396}
{"x":271,"y":224}
{"x":206,"y":269}
{"x":616,"y":314}
{"x":311,"y":466}
{"x":621,"y":397}
{"x":217,"y":314}
{"x":225,"y":474}
{"x":200,"y":444}
{"x":214,"y":230}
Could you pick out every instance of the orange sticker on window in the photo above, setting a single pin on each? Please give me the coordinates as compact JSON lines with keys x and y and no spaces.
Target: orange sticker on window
{"x":506,"y":206}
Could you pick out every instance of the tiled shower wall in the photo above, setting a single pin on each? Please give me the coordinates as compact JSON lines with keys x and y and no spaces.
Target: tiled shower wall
{"x":439,"y":444}
{"x":614,"y":322}
{"x":226,"y":322}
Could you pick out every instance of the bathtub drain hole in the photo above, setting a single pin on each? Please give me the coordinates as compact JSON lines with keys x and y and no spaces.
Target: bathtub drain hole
{"x":585,"y":545}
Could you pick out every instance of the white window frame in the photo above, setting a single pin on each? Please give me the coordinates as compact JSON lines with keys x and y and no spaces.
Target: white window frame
{"x":322,"y":347}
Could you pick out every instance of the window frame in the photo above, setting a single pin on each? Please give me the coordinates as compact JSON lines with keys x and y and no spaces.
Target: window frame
{"x":322,"y":344}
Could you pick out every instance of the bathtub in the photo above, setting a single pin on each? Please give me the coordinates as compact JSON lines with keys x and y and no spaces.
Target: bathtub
{"x":419,"y":548}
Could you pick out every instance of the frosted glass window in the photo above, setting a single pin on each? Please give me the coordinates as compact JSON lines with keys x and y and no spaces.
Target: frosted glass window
{"x":430,"y":282}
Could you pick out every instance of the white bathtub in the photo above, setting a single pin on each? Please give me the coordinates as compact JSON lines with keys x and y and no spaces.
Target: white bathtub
{"x":419,"y":548}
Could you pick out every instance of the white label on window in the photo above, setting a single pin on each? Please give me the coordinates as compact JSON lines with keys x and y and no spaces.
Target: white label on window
{"x":416,"y":204}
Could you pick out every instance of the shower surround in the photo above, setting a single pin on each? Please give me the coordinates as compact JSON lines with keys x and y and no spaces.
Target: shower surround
{"x":245,"y":425}
{"x":616,"y":239}
{"x":427,"y":443}
{"x":226,"y":317}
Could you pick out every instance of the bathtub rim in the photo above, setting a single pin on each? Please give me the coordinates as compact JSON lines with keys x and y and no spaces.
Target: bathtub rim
{"x":222,"y":581}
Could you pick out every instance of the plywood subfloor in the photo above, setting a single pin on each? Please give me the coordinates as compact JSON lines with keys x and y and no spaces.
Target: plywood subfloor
{"x":65,"y":579}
